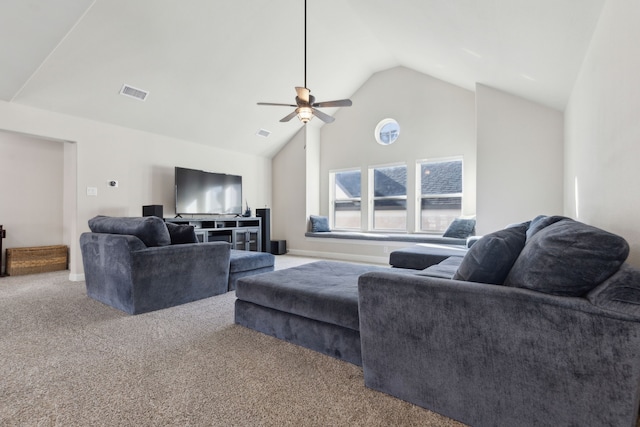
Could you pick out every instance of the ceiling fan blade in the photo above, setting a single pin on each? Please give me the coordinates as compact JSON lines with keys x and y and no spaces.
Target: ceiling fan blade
{"x":337,"y":103}
{"x":289,"y":117}
{"x":303,"y":94}
{"x":322,"y":116}
{"x":278,"y":105}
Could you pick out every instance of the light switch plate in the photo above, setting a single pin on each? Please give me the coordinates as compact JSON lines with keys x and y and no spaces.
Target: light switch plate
{"x":92,"y":191}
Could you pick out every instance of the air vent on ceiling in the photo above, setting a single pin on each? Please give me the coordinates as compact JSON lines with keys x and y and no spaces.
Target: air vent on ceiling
{"x":134,"y":92}
{"x":263,"y":133}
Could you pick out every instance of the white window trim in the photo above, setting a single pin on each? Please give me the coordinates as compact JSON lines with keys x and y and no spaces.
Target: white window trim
{"x":371,"y":197}
{"x":332,"y":197}
{"x":418,"y":187}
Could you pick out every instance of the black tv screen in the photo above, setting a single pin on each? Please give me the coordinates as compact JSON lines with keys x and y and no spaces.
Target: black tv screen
{"x":207,"y":193}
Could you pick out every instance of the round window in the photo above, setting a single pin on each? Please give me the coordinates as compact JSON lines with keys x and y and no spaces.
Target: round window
{"x":387,"y":131}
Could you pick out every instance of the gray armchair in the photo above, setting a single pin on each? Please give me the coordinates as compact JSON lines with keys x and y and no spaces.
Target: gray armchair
{"x":132,"y":265}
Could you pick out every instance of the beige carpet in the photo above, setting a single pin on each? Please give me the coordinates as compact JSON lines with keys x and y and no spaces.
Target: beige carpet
{"x":67,"y":360}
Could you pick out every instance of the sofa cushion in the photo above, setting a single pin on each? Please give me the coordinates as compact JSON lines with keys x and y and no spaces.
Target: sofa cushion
{"x":446,"y":269}
{"x":181,"y":234}
{"x":490,"y":259}
{"x":240,"y":260}
{"x":620,"y":292}
{"x":460,"y":228}
{"x":150,"y":229}
{"x":319,"y":223}
{"x":568,"y":258}
{"x":326,"y":291}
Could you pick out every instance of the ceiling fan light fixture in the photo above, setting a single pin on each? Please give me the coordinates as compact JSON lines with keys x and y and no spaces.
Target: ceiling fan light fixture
{"x":305,"y":114}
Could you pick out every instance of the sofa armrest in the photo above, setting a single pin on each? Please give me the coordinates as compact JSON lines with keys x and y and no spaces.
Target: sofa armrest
{"x":493,"y":355}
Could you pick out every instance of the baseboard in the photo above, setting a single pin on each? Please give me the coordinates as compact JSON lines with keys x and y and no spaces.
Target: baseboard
{"x":368,"y":259}
{"x":76,"y":277}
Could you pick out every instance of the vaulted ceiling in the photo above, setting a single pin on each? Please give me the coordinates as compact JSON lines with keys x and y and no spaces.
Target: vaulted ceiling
{"x":205,"y":63}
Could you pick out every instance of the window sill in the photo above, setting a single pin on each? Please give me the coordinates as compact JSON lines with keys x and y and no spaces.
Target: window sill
{"x":389,"y":237}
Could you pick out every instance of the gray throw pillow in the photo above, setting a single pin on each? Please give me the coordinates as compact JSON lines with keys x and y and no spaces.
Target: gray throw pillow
{"x":150,"y":229}
{"x":460,"y":228}
{"x":620,"y":292}
{"x":542,"y":221}
{"x":490,"y":259}
{"x":568,"y":258}
{"x":319,"y":223}
{"x":181,"y":234}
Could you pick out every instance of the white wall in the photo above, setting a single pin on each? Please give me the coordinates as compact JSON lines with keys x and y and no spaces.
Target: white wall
{"x":520,"y":159}
{"x":602,"y":128}
{"x":437,"y":119}
{"x":143,"y":164}
{"x":31,"y":191}
{"x":288,"y":215}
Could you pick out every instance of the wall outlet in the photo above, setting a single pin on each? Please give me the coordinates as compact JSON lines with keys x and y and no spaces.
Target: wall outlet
{"x":92,"y":191}
{"x":386,"y":249}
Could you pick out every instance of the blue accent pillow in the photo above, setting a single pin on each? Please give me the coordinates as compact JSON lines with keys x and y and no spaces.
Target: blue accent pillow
{"x":319,"y":223}
{"x":490,"y":259}
{"x":461,"y":228}
{"x":542,"y":221}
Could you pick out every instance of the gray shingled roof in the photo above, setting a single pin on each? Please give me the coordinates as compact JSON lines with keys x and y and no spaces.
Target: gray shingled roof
{"x":443,"y":178}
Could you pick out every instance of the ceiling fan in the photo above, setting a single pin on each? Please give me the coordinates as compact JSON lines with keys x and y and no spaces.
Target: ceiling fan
{"x":306,"y":105}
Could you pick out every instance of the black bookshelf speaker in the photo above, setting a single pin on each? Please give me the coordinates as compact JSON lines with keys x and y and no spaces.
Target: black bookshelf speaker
{"x":152,"y":210}
{"x":278,"y":247}
{"x":265,"y":214}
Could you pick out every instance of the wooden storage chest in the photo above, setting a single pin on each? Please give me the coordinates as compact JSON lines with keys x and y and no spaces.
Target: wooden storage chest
{"x":37,"y":259}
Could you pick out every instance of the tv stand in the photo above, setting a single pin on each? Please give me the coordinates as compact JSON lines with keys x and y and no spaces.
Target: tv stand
{"x":244,"y":233}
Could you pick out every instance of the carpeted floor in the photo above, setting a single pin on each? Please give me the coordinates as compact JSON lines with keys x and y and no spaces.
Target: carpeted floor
{"x":67,"y":360}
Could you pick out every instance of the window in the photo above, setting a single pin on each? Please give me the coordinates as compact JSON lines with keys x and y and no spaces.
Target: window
{"x":441,"y":193}
{"x":346,"y":200}
{"x":389,"y":197}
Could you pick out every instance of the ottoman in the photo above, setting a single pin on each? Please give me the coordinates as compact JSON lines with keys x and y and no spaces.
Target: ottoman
{"x":313,"y":305}
{"x":247,"y":263}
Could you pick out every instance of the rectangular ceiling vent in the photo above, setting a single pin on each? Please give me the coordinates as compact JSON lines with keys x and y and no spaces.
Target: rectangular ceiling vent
{"x":263,"y":133}
{"x":134,"y":92}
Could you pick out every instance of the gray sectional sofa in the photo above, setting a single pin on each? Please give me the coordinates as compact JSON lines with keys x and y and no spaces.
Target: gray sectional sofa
{"x":537,"y":324}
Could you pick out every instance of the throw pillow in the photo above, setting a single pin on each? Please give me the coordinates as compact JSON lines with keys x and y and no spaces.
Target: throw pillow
{"x":542,"y":221}
{"x":150,"y":229}
{"x":460,"y":228}
{"x":568,"y":258}
{"x":181,"y":234}
{"x":490,"y":258}
{"x":620,"y":292}
{"x":319,"y":223}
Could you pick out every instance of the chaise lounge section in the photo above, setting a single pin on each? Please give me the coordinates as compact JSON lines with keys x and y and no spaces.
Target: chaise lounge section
{"x":313,"y":305}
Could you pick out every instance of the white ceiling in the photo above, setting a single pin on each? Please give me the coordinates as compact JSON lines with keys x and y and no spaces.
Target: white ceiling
{"x":207,"y":62}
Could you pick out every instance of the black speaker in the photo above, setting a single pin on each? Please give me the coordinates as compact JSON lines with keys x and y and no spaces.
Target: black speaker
{"x":152,"y":210}
{"x":265,"y":214}
{"x":278,"y":247}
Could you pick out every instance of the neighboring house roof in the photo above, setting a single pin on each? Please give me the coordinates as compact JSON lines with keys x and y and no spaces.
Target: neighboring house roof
{"x":442,"y":178}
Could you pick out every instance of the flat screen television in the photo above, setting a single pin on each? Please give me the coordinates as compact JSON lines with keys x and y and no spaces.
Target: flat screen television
{"x":207,"y":193}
